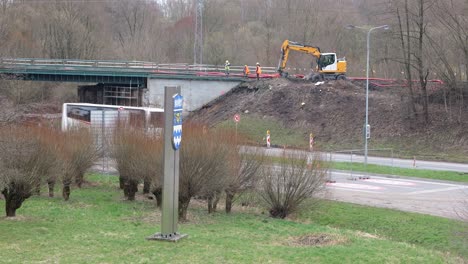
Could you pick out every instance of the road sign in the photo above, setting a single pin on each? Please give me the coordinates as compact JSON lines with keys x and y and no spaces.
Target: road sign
{"x":236,"y":118}
{"x":177,"y":121}
{"x":368,"y":131}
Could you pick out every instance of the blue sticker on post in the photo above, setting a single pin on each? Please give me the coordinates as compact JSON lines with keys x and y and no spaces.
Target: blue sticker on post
{"x":177,"y":121}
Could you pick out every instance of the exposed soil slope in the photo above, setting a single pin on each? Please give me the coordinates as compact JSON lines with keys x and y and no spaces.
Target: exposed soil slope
{"x":335,"y":112}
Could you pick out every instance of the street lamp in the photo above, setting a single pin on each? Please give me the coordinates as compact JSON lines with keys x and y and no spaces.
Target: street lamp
{"x":366,"y":126}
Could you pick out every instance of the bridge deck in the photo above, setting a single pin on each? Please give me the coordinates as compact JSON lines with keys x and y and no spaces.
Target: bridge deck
{"x":122,"y":72}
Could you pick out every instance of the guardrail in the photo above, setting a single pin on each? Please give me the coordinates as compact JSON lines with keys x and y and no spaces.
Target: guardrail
{"x":121,"y":65}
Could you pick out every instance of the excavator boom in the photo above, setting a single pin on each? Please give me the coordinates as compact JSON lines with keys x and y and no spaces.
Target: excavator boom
{"x":290,"y":45}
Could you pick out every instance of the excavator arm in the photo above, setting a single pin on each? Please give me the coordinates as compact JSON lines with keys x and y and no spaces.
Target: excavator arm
{"x":290,"y":45}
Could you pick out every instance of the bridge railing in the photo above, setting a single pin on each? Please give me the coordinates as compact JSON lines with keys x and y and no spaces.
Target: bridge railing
{"x":70,"y":64}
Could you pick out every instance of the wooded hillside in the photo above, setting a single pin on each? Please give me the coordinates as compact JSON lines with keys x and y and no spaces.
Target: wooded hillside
{"x":427,"y":39}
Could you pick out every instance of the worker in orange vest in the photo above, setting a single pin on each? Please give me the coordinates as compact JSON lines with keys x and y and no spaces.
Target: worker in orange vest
{"x":258,"y":71}
{"x":246,"y":71}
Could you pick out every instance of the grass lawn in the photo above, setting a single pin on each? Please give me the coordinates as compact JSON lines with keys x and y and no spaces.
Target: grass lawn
{"x":97,"y":226}
{"x":431,"y":232}
{"x":255,"y":129}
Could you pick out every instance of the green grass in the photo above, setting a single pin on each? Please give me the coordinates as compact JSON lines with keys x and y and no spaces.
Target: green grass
{"x":428,"y":231}
{"x":97,"y":226}
{"x":256,"y":128}
{"x":388,"y":170}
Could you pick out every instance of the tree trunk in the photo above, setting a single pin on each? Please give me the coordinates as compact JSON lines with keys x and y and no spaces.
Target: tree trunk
{"x":131,"y":187}
{"x":279,"y":212}
{"x":10,"y":210}
{"x":158,"y":194}
{"x":66,"y":191}
{"x":79,"y":180}
{"x":183,"y":207}
{"x":13,"y":200}
{"x":122,"y":182}
{"x":420,"y":63}
{"x":229,"y":199}
{"x":146,"y":186}
{"x":406,"y":50}
{"x":210,"y":204}
{"x":51,"y":185}
{"x":216,"y":200}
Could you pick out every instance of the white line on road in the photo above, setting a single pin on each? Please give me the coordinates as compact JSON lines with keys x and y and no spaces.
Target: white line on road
{"x":400,"y":179}
{"x":439,"y":190}
{"x":356,"y":190}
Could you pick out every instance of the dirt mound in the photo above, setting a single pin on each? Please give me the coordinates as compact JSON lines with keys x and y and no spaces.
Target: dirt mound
{"x":316,"y":240}
{"x":334,"y":111}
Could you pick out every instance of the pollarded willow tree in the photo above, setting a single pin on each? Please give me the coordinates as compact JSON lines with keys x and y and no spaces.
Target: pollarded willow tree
{"x":77,"y":155}
{"x":27,"y":157}
{"x":285,"y":186}
{"x":203,"y":165}
{"x":139,"y":159}
{"x":245,"y":167}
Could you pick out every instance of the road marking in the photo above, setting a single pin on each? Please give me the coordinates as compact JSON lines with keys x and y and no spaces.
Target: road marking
{"x":353,"y":190}
{"x":355,"y":186}
{"x":405,"y":180}
{"x":390,"y":182}
{"x":439,"y":190}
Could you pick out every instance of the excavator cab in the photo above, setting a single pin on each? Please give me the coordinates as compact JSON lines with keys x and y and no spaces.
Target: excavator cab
{"x":327,"y":62}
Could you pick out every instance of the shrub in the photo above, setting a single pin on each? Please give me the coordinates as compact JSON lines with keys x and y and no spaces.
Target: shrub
{"x":286,"y":185}
{"x":78,"y":154}
{"x":245,"y":166}
{"x":147,"y":164}
{"x":203,"y":165}
{"x":139,"y":158}
{"x":124,"y":151}
{"x":26,"y":157}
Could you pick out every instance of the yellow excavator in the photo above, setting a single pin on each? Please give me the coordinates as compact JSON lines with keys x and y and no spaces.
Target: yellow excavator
{"x":329,"y":67}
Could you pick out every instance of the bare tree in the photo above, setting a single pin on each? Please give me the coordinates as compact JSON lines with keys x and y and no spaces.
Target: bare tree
{"x":245,"y":168}
{"x":286,"y":185}
{"x":25,"y":158}
{"x":203,"y":165}
{"x":451,"y":50}
{"x":406,"y":52}
{"x":126,"y":149}
{"x":70,"y":33}
{"x":78,"y":154}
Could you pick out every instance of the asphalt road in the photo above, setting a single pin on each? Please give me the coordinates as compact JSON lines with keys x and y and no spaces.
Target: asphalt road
{"x":446,"y":199}
{"x":402,"y":163}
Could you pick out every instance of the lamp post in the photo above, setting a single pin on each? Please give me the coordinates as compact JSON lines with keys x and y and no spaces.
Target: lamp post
{"x":366,"y":126}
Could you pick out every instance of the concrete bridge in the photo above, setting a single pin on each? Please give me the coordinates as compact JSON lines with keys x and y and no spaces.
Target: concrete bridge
{"x":131,"y":83}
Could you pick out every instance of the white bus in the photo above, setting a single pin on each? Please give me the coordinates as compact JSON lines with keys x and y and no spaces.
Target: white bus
{"x":102,"y":119}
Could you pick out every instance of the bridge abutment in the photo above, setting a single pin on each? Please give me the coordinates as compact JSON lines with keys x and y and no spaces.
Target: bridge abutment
{"x":196,"y":92}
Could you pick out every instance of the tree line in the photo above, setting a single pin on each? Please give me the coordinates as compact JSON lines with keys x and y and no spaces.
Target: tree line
{"x":212,"y":166}
{"x":428,"y":39}
{"x":242,"y":31}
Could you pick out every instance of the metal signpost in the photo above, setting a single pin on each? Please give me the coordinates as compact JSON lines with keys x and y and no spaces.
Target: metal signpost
{"x":173,"y":103}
